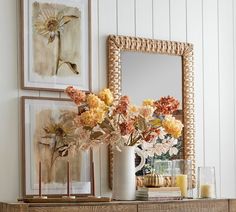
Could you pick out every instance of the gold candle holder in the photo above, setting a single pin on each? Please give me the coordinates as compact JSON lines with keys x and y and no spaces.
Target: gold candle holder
{"x":68,"y":183}
{"x":40,"y":196}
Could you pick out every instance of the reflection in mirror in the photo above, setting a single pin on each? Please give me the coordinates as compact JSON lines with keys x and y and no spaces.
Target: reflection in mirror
{"x":152,"y":76}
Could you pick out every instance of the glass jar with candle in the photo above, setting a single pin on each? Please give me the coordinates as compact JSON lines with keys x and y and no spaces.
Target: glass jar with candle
{"x":164,"y":168}
{"x":182,"y":177}
{"x":206,"y":182}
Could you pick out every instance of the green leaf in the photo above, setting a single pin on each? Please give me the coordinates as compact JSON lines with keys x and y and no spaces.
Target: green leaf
{"x":142,"y":123}
{"x":135,"y":140}
{"x":96,"y":135}
{"x":155,"y":122}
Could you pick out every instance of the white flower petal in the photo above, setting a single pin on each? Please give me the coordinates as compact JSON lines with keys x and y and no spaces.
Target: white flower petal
{"x":173,"y":151}
{"x":175,"y":141}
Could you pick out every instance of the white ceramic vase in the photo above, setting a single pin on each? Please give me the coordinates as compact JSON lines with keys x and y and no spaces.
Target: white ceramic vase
{"x":124,"y":179}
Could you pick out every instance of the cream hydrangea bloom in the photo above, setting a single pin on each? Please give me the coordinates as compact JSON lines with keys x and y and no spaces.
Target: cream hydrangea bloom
{"x":146,"y":111}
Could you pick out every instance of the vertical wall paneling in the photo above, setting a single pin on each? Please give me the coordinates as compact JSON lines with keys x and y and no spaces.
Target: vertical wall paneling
{"x":161,"y":19}
{"x":107,"y":13}
{"x":178,"y":20}
{"x":211,"y":87}
{"x":126,"y":17}
{"x":144,"y":18}
{"x":9,"y":104}
{"x":194,"y":35}
{"x":94,"y":45}
{"x":234,"y":64}
{"x":95,"y":82}
{"x":18,"y":86}
{"x":226,"y":91}
{"x":107,"y":25}
{"x":20,"y":93}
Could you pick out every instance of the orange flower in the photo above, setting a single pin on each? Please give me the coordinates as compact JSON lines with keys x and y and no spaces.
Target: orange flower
{"x":127,"y":128}
{"x":122,"y":107}
{"x":166,"y":105}
{"x":76,"y":95}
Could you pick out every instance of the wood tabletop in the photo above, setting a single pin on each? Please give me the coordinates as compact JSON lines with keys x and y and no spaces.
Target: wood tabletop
{"x":187,"y":205}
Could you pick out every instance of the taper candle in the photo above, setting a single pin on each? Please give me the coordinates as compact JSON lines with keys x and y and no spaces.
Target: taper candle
{"x":40,"y":179}
{"x":68,"y":178}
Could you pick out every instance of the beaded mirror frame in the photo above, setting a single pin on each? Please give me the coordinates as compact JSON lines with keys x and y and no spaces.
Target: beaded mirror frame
{"x":117,"y":44}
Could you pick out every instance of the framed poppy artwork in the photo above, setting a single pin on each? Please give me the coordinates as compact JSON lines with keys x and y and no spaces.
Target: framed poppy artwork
{"x":55,"y":38}
{"x":50,"y":141}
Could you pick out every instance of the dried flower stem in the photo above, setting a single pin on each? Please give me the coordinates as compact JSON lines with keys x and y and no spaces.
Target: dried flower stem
{"x":58,"y":51}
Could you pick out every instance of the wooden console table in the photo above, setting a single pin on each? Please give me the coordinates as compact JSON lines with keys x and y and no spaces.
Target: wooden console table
{"x":214,"y":205}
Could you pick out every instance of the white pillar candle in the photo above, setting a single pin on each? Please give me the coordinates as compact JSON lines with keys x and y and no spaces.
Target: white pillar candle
{"x":207,"y":191}
{"x":182,"y":183}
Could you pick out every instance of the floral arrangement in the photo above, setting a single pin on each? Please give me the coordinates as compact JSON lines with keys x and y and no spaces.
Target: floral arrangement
{"x":100,"y":119}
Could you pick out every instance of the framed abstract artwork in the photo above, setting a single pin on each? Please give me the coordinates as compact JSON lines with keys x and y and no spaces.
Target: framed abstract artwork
{"x":50,"y":141}
{"x":55,"y":44}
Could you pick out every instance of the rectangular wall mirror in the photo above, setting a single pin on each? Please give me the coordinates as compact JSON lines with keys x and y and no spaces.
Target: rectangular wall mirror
{"x":146,"y":68}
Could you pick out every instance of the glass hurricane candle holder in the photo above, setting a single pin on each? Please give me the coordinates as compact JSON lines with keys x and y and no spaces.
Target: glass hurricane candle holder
{"x":164,"y":168}
{"x":182,"y":177}
{"x":206,"y":182}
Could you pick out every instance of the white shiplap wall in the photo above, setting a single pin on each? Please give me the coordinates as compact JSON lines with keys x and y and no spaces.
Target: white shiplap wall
{"x":208,"y":24}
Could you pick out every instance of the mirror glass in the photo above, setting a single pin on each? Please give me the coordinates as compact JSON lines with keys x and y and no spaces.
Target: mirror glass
{"x":147,"y":75}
